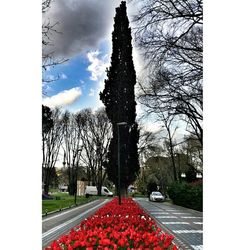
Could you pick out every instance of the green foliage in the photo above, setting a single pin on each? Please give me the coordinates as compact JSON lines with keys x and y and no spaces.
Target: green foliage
{"x":137,"y":194}
{"x":119,"y":100}
{"x":47,"y":120}
{"x":191,"y":174}
{"x":141,"y":184}
{"x":152,"y":186}
{"x":187,"y":195}
{"x":157,"y":170}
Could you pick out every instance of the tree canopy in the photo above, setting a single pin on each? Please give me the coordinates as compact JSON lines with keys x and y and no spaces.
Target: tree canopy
{"x":119,"y":99}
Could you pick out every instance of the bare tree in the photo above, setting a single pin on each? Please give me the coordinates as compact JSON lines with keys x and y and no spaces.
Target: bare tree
{"x":72,"y":148}
{"x":148,"y":146}
{"x":48,"y":30}
{"x":95,"y":136}
{"x":170,"y":142}
{"x":194,"y":153}
{"x":51,"y":142}
{"x":169,"y":32}
{"x":162,"y":94}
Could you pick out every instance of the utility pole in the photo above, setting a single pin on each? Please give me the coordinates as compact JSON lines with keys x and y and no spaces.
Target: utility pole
{"x":119,"y":162}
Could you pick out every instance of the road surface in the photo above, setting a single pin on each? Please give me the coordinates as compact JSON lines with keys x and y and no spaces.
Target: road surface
{"x":55,"y":225}
{"x":185,"y":224}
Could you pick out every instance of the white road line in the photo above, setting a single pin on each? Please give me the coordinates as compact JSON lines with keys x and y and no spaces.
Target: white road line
{"x":198,"y":223}
{"x":63,"y":213}
{"x":173,"y":222}
{"x":181,"y":213}
{"x":159,"y":213}
{"x":188,"y":231}
{"x":190,"y":217}
{"x":165,"y":217}
{"x":70,"y":221}
{"x":197,"y":247}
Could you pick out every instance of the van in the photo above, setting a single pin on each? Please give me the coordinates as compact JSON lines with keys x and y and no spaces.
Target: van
{"x":92,"y":190}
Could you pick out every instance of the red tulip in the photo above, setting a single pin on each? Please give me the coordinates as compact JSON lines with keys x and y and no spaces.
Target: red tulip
{"x":115,"y":226}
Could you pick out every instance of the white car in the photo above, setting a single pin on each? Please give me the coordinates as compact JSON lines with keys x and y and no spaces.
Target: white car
{"x":156,"y":196}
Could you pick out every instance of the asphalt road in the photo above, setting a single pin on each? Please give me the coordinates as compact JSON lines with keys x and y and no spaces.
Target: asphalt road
{"x":185,"y":224}
{"x":54,"y":225}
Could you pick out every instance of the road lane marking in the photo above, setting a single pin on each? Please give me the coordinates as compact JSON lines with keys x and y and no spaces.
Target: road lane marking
{"x":63,"y":213}
{"x":188,"y":231}
{"x":165,"y":217}
{"x":173,"y":222}
{"x":159,"y":213}
{"x":154,"y":211}
{"x":197,"y":247}
{"x":190,"y":217}
{"x":181,"y":213}
{"x":198,"y":223}
{"x":70,"y":221}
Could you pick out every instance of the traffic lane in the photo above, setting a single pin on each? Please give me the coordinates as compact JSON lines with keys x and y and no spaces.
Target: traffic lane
{"x":185,"y":224}
{"x":63,"y":228}
{"x":58,"y":218}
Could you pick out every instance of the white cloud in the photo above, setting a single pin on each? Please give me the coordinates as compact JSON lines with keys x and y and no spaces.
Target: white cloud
{"x":97,"y":66}
{"x":63,"y":98}
{"x":63,"y":76}
{"x":81,"y":25}
{"x":91,"y":92}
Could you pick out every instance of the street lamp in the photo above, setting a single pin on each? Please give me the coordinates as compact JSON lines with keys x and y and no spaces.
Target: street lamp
{"x":76,"y":169}
{"x":119,"y":167}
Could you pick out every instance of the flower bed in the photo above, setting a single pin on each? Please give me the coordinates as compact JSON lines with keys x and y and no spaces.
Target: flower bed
{"x":114,"y":226}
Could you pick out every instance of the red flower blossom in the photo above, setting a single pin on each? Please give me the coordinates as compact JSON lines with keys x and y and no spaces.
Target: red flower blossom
{"x":116,"y":227}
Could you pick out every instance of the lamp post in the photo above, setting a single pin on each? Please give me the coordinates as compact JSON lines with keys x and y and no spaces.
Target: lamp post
{"x":75,"y":175}
{"x":119,"y":167}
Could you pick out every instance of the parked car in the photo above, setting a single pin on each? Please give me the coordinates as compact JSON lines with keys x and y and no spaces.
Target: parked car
{"x":156,"y":196}
{"x":92,"y":190}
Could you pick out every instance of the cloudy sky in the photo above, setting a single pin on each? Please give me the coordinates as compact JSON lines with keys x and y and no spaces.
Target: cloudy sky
{"x":84,"y":38}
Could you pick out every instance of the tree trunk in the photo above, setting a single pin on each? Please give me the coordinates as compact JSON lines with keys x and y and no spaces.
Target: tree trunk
{"x":171,"y":149}
{"x":46,"y":186}
{"x":99,"y":189}
{"x":124,"y":192}
{"x":46,"y":180}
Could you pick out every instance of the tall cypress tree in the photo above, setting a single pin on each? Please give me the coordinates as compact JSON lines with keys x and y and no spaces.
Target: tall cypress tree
{"x":119,"y":98}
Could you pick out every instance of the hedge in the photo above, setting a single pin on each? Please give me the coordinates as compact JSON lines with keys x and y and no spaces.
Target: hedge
{"x":187,"y":195}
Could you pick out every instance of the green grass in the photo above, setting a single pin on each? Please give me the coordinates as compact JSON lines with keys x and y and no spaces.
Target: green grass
{"x":64,"y":200}
{"x":137,"y":194}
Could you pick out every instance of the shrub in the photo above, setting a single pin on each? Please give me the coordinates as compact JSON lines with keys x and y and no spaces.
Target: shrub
{"x":187,"y":195}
